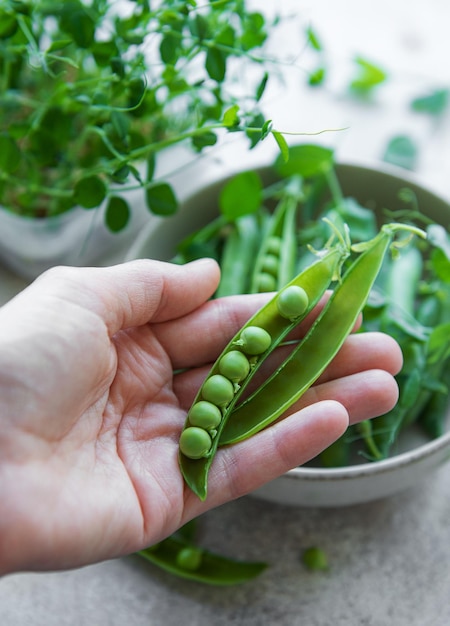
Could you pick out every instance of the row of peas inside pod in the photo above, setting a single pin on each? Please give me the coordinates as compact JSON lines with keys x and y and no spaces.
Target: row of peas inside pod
{"x":234,"y":367}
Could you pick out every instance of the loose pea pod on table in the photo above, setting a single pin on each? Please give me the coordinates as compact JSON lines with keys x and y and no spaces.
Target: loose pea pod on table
{"x":177,"y":556}
{"x":242,"y":357}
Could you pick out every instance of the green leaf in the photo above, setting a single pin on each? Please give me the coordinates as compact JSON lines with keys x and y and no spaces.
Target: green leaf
{"x":89,"y":192}
{"x":266,"y":129}
{"x":241,"y":195}
{"x":254,"y":34}
{"x":230,"y":117}
{"x":168,"y":49}
{"x":151,"y":165}
{"x":282,"y":144}
{"x":317,"y":77}
{"x":117,"y":214}
{"x":10,"y":154}
{"x":401,"y":151}
{"x":313,"y":39}
{"x":439,"y":343}
{"x":215,"y":64}
{"x":262,"y":87}
{"x":8,"y":24}
{"x":121,"y":174}
{"x":226,"y":37}
{"x":104,"y":51}
{"x":121,"y":124}
{"x":208,"y":138}
{"x":434,"y":103}
{"x":77,"y":22}
{"x":199,"y":27}
{"x":305,"y":160}
{"x":257,"y":120}
{"x":439,"y":238}
{"x":369,"y":76}
{"x":161,"y":199}
{"x":58,"y":44}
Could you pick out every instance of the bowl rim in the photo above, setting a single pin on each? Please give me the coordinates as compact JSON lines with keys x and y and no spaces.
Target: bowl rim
{"x":408,"y":457}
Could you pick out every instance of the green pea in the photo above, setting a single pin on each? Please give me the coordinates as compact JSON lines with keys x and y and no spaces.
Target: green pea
{"x":292,"y":302}
{"x":265,"y":282}
{"x":234,"y":365}
{"x":255,"y":340}
{"x":205,"y":415}
{"x":315,"y":559}
{"x":218,"y":390}
{"x":273,"y":245}
{"x":270,"y":264}
{"x":195,"y":442}
{"x":189,"y":558}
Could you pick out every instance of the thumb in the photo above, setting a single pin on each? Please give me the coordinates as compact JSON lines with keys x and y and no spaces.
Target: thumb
{"x":136,"y":292}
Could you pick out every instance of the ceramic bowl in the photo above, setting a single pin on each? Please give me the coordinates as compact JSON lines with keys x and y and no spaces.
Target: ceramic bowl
{"x":375,"y":187}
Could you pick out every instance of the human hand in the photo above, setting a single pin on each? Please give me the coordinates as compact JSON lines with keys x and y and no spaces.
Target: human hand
{"x":92,"y":410}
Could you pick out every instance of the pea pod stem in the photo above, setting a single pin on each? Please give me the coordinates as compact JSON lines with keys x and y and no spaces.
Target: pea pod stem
{"x":320,"y":345}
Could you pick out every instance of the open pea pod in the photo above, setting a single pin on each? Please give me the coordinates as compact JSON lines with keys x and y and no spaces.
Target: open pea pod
{"x":319,"y":346}
{"x":201,"y":432}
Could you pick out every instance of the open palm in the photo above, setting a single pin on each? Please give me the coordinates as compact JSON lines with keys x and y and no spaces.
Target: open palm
{"x":92,"y":410}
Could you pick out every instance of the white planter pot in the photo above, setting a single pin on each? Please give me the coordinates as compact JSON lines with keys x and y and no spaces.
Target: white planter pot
{"x":28,"y":246}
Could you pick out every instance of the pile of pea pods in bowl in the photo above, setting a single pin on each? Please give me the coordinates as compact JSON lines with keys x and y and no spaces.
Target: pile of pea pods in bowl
{"x":410,"y":300}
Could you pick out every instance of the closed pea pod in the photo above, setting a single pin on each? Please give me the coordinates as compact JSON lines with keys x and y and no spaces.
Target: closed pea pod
{"x":184,"y":560}
{"x":238,"y":255}
{"x":315,"y":279}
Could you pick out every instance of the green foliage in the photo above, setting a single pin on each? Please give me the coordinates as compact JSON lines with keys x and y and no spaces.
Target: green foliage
{"x":433,"y":103}
{"x":117,"y":214}
{"x":161,"y":199}
{"x":402,"y":151}
{"x":305,"y":160}
{"x":368,"y":76}
{"x":82,"y":104}
{"x":241,"y":195}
